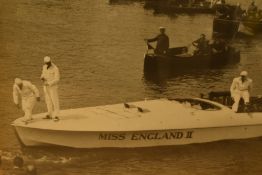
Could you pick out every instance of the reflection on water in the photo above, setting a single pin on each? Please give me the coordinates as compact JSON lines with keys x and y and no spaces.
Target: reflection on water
{"x":227,"y":157}
{"x":99,"y":49}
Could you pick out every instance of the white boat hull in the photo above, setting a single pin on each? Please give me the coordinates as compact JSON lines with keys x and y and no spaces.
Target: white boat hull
{"x":82,"y":139}
{"x":141,"y":124}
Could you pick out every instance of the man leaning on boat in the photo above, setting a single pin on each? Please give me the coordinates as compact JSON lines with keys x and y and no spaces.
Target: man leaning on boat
{"x":241,"y":88}
{"x":29,"y":95}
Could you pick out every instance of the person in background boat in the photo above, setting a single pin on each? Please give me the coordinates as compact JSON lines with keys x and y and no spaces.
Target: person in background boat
{"x":252,"y":9}
{"x":219,"y":45}
{"x":222,"y":10}
{"x":29,"y":95}
{"x":162,"y":42}
{"x":201,"y":45}
{"x":50,"y":77}
{"x":238,"y":12}
{"x":241,"y":88}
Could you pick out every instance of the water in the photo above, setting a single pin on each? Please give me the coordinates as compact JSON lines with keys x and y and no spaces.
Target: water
{"x":99,"y":49}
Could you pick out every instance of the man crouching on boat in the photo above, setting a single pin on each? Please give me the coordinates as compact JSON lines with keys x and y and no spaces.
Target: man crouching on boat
{"x":241,"y":88}
{"x":29,"y":95}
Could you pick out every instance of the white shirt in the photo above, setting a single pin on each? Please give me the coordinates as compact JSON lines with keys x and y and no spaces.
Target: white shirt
{"x":28,"y":90}
{"x":51,"y":75}
{"x":239,"y":85}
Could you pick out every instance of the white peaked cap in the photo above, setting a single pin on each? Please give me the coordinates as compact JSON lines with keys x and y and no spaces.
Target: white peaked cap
{"x":47,"y":59}
{"x":243,"y":73}
{"x":18,"y":81}
{"x":162,"y":27}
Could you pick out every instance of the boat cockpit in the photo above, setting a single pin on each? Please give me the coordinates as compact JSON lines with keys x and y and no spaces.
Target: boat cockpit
{"x":197,"y":104}
{"x":224,"y":98}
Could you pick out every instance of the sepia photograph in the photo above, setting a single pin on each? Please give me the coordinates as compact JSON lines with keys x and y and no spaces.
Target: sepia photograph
{"x":131,"y":87}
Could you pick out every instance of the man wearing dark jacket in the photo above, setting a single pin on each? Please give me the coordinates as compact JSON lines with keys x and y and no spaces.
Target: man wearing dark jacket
{"x":162,"y":42}
{"x":201,"y":44}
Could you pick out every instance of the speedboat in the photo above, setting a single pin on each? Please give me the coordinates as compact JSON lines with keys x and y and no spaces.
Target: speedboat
{"x":146,"y":123}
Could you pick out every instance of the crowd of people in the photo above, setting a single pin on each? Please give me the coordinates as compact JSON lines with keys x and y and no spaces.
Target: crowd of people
{"x":231,"y":12}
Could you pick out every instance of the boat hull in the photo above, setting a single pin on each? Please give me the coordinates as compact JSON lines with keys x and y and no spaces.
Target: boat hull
{"x":155,"y":63}
{"x":132,"y":139}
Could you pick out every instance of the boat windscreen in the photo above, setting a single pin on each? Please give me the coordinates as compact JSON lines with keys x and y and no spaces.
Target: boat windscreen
{"x":198,"y":104}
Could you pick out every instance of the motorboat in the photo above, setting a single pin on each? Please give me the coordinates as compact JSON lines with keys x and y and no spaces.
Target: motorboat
{"x":146,"y":123}
{"x":180,"y":6}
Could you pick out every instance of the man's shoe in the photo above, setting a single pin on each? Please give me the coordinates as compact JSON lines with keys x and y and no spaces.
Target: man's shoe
{"x":26,"y":121}
{"x":56,"y":119}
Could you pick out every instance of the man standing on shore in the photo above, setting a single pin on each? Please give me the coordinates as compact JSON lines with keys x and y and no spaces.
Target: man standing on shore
{"x":241,"y":88}
{"x":50,"y":77}
{"x":29,"y":94}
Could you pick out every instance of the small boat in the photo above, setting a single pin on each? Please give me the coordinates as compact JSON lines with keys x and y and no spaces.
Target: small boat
{"x":146,"y":123}
{"x":179,"y":59}
{"x":176,"y":6}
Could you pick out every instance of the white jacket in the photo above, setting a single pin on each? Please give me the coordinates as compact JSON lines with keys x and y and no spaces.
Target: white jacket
{"x":51,"y":75}
{"x":238,"y":85}
{"x":28,"y":90}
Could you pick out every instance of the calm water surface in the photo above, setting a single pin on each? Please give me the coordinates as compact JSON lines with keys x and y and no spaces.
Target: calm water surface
{"x":99,"y":49}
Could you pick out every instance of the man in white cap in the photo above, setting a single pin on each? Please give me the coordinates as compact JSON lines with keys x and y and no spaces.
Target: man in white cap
{"x":241,"y":88}
{"x":162,"y":42}
{"x":50,"y":77}
{"x":29,"y":94}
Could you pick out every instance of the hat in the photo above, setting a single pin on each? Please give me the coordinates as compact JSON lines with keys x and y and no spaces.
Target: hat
{"x":47,"y":59}
{"x":243,"y":73}
{"x":18,"y":81}
{"x":162,"y":28}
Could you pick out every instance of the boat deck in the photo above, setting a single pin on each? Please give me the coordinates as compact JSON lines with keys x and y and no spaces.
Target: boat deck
{"x":162,"y":114}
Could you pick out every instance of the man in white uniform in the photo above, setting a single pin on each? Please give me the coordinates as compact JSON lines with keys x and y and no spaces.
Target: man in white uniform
{"x":29,"y":94}
{"x":50,"y":77}
{"x":241,"y":88}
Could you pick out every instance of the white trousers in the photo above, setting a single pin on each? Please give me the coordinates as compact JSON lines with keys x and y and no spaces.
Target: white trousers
{"x":237,"y":96}
{"x":51,"y":99}
{"x":28,"y":104}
